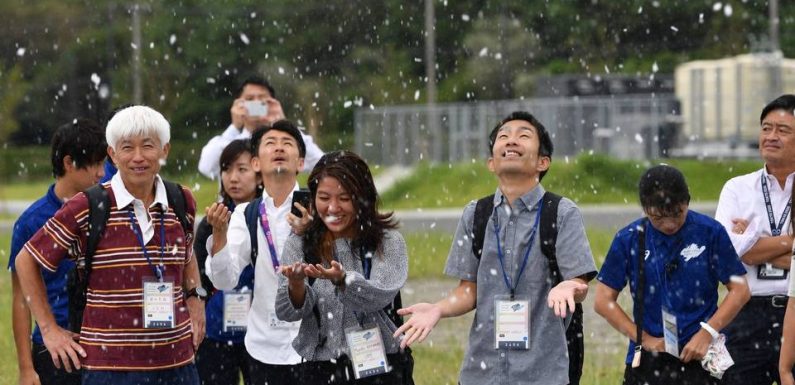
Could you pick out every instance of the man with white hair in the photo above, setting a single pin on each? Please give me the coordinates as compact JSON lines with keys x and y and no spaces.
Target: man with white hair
{"x":143,"y":317}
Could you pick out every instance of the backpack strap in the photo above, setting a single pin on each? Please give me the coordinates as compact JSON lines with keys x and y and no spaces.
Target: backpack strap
{"x":77,"y":278}
{"x":176,"y":199}
{"x":251,"y":213}
{"x":483,"y":210}
{"x":98,"y":215}
{"x":549,"y":234}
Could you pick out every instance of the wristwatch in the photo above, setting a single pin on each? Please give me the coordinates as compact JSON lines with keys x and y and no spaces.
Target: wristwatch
{"x":197,"y":291}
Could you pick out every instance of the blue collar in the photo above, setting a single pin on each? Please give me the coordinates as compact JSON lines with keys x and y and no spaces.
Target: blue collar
{"x":53,"y":199}
{"x":658,"y":237}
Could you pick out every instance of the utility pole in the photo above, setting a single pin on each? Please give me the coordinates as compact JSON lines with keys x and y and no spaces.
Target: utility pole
{"x":136,"y":54}
{"x":774,"y":25}
{"x":435,"y":153}
{"x":776,"y":86}
{"x":430,"y":52}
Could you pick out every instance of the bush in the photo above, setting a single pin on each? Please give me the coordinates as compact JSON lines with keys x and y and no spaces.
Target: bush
{"x":32,"y":163}
{"x":25,"y":163}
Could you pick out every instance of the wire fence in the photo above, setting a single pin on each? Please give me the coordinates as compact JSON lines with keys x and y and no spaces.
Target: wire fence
{"x":628,"y":127}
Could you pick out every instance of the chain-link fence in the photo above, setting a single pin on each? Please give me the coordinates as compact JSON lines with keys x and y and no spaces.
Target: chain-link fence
{"x":638,"y":126}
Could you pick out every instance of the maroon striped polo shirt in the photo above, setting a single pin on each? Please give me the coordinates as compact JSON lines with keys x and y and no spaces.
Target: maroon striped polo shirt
{"x":113,"y":335}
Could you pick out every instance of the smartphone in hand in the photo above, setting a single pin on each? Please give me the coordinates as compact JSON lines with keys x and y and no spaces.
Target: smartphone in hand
{"x":256,"y":108}
{"x":302,"y":197}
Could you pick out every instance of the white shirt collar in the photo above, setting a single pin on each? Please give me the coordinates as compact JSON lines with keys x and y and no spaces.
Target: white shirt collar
{"x":124,"y":198}
{"x":771,"y":179}
{"x":269,"y":199}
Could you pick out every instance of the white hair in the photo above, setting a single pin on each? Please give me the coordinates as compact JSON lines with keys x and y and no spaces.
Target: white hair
{"x":137,"y":121}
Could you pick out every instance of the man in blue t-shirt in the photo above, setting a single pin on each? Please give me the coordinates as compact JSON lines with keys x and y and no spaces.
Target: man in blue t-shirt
{"x":685,"y":256}
{"x":78,"y":150}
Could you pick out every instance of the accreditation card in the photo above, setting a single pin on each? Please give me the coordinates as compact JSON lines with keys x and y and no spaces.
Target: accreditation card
{"x":367,"y":351}
{"x":236,"y":307}
{"x":767,"y":271}
{"x":158,"y":304}
{"x":670,"y":333}
{"x":511,"y":323}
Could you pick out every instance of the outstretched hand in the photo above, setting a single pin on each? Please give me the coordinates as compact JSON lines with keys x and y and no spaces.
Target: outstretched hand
{"x":294,"y":272}
{"x":335,"y":273}
{"x":564,"y":295}
{"x":424,"y":316}
{"x":218,"y":216}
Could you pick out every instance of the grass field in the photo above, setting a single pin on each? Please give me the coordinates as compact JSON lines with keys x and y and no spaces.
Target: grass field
{"x":8,"y":366}
{"x":586,"y":179}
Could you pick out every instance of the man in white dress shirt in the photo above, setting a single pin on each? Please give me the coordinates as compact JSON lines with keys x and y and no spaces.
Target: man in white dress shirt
{"x":253,"y":89}
{"x":755,"y":209}
{"x":280,"y":156}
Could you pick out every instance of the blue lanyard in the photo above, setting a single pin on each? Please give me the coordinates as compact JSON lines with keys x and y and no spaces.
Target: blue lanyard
{"x":367,"y":266}
{"x":512,"y":287}
{"x":266,"y":228}
{"x":158,"y":270}
{"x":367,"y":263}
{"x":774,"y":230}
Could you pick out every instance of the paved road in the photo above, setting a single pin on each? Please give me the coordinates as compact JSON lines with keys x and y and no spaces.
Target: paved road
{"x":608,"y":216}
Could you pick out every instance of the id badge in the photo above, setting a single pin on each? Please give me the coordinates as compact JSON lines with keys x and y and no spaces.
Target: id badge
{"x":670,"y":333}
{"x":368,"y":356}
{"x":511,"y":323}
{"x":275,"y":323}
{"x":769,"y":272}
{"x":158,"y":304}
{"x":236,"y":307}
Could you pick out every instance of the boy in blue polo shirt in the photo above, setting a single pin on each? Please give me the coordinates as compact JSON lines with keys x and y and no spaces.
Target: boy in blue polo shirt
{"x":685,"y":255}
{"x":78,"y":149}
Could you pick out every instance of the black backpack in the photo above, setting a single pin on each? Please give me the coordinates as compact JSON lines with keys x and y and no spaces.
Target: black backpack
{"x":98,"y":214}
{"x":548,"y":236}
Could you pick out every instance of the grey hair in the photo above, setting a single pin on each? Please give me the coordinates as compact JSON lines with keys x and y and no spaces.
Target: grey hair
{"x":137,"y":121}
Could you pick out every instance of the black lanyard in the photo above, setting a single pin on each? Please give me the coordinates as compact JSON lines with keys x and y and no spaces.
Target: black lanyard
{"x":670,"y":263}
{"x":774,"y":230}
{"x":639,"y":290}
{"x":495,"y":219}
{"x":156,"y":269}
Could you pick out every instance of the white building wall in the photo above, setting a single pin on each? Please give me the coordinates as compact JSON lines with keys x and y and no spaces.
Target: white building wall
{"x":721,"y":99}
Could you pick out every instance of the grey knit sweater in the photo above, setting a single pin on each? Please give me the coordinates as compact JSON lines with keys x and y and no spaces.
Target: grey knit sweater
{"x":340,"y":309}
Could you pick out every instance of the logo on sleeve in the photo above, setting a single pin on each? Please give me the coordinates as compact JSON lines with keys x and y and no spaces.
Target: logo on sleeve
{"x":692,"y":251}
